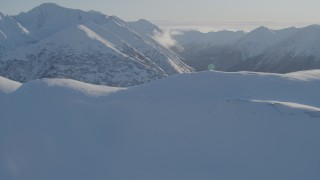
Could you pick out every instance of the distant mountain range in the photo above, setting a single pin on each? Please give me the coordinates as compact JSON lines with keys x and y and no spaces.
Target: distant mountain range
{"x":262,"y":50}
{"x":56,"y":42}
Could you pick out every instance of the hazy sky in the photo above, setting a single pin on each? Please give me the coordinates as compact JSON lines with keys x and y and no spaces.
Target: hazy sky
{"x":189,"y":11}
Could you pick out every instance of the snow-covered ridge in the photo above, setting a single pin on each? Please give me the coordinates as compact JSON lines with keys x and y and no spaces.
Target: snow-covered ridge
{"x":9,"y":86}
{"x":186,"y":38}
{"x":77,"y":86}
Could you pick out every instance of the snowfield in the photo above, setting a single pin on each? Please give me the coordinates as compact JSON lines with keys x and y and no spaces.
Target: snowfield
{"x":203,"y":126}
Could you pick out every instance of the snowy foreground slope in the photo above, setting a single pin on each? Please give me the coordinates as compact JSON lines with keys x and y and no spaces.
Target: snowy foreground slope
{"x":203,"y":126}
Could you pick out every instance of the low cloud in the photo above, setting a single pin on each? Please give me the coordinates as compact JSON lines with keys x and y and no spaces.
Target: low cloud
{"x":165,"y":38}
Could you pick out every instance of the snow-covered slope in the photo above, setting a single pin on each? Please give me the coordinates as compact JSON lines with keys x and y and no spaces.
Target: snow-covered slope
{"x":209,"y":125}
{"x":8,"y":86}
{"x":87,"y":46}
{"x":12,"y":34}
{"x":80,"y":53}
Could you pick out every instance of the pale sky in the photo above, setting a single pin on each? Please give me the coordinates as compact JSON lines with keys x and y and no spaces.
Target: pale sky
{"x":189,"y":11}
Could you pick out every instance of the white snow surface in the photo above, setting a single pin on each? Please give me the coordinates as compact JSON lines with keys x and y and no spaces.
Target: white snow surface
{"x":209,"y":125}
{"x":95,"y":36}
{"x":305,"y":75}
{"x":290,"y":104}
{"x":8,"y":86}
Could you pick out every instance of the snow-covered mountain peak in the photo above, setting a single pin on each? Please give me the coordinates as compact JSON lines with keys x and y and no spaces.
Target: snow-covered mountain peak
{"x":259,"y":34}
{"x":45,"y":9}
{"x":47,"y":19}
{"x":257,"y":41}
{"x":145,"y":27}
{"x":95,"y":12}
{"x":262,"y":29}
{"x":143,"y":21}
{"x":49,"y":7}
{"x":147,"y":24}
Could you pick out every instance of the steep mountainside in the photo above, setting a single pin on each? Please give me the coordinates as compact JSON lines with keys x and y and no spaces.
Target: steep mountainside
{"x":87,"y":46}
{"x":12,"y":34}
